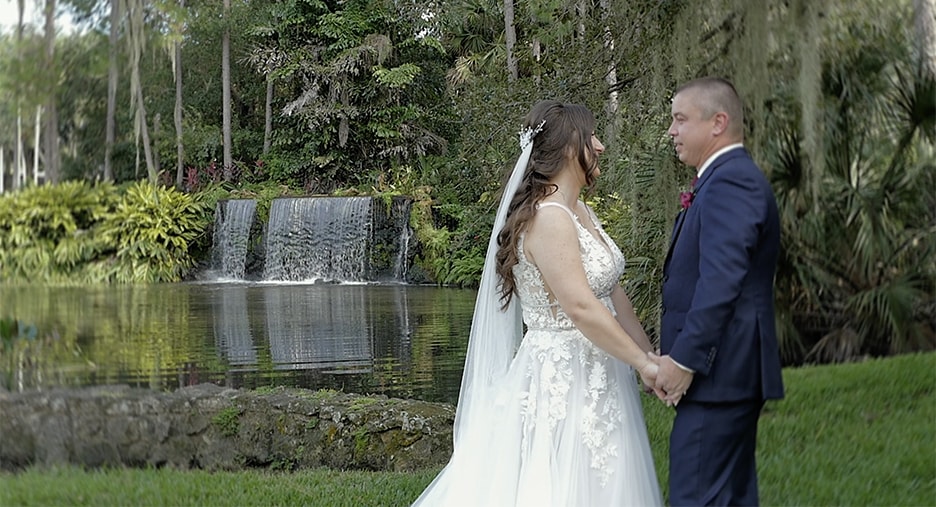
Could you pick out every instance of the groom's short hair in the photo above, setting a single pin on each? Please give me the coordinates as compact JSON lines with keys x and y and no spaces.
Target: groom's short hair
{"x":715,"y":95}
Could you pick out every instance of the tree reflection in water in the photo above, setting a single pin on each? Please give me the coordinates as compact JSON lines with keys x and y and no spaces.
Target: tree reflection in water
{"x":398,"y":340}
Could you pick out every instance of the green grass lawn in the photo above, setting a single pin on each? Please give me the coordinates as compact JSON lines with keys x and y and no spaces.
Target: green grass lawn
{"x":853,"y":434}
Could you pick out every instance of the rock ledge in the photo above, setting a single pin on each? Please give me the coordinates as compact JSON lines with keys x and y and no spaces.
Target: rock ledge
{"x":216,"y":428}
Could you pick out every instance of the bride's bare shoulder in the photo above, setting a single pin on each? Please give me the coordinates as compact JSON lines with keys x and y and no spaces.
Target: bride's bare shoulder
{"x":550,"y":224}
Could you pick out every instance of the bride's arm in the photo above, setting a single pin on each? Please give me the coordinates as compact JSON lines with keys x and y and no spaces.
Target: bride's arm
{"x":551,"y":242}
{"x":627,"y":317}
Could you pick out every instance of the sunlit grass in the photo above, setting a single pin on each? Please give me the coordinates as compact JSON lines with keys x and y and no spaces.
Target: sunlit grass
{"x":854,"y":434}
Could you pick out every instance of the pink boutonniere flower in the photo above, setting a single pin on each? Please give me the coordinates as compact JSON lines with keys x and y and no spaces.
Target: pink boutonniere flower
{"x":685,"y":198}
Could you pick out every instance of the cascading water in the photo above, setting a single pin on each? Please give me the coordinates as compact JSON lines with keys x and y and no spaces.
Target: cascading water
{"x":400,"y":215}
{"x":233,"y":220}
{"x":314,"y":239}
{"x":319,"y":239}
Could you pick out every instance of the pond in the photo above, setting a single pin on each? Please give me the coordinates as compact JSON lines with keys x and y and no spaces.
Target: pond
{"x":398,"y":340}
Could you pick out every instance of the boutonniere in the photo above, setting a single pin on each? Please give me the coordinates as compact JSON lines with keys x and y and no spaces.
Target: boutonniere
{"x":685,"y":198}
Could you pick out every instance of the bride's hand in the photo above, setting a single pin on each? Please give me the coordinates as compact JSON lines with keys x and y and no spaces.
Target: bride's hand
{"x":648,"y":374}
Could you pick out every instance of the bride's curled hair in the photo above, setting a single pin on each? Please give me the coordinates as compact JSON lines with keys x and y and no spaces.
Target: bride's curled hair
{"x":565,"y":136}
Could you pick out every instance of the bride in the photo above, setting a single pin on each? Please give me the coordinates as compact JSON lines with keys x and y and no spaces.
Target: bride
{"x":554,"y":418}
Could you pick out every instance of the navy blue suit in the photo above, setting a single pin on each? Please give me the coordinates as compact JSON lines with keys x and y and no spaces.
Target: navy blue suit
{"x":718,"y":320}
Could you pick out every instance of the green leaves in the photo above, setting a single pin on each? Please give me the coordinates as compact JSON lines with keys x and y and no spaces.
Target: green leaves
{"x":398,"y":77}
{"x":151,"y":228}
{"x":75,"y":232}
{"x":44,"y":229}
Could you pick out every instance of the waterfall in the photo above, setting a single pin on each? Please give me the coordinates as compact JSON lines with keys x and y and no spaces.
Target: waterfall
{"x":401,"y":216}
{"x":322,"y":238}
{"x":233,"y":220}
{"x":314,"y":239}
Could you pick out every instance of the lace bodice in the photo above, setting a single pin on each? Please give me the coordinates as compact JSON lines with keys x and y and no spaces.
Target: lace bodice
{"x":604,"y":265}
{"x":563,"y":426}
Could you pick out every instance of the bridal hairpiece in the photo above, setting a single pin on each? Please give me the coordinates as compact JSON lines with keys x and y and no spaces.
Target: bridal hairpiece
{"x":527,"y":134}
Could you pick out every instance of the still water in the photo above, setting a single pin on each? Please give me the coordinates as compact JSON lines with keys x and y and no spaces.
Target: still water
{"x":399,"y":340}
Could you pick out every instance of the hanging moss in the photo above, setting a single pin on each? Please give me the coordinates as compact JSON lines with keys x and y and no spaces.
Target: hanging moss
{"x":751,"y":79}
{"x":809,"y":81}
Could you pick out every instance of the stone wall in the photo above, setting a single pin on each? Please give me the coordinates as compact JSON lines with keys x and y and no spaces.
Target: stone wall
{"x":215,"y":428}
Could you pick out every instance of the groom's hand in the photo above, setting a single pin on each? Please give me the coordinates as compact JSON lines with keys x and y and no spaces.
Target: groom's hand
{"x":672,"y":380}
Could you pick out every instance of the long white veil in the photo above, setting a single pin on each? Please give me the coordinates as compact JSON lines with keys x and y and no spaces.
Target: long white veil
{"x":493,"y":341}
{"x":495,"y":333}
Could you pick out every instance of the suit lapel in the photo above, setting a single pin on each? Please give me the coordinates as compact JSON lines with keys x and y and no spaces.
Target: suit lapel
{"x":681,"y":218}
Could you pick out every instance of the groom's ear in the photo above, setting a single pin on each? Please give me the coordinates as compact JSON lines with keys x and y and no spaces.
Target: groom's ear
{"x":720,"y":123}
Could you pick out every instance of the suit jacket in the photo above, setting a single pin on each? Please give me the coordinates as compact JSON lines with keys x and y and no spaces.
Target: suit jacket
{"x":718,"y":298}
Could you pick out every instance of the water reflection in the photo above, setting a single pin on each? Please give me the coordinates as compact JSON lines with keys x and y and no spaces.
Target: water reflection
{"x":397,"y":340}
{"x":233,"y":335}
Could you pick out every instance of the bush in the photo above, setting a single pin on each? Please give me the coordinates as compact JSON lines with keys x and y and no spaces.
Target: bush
{"x":78,"y":233}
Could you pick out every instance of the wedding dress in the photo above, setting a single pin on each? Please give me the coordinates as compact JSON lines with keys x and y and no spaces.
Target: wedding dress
{"x":565,"y":426}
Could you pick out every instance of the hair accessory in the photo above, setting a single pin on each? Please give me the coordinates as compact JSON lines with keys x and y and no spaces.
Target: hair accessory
{"x":527,"y":134}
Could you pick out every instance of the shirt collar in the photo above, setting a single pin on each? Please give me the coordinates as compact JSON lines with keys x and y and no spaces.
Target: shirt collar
{"x":715,"y":155}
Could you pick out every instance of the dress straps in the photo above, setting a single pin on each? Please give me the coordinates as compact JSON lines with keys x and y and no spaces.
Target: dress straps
{"x":558,"y":205}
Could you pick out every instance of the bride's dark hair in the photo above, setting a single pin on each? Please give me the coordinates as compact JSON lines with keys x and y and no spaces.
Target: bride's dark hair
{"x":566,"y":132}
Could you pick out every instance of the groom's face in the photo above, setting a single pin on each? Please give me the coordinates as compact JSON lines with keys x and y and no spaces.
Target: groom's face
{"x":691,"y":133}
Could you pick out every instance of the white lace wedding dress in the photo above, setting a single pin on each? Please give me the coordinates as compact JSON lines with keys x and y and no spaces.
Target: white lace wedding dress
{"x":566,"y":428}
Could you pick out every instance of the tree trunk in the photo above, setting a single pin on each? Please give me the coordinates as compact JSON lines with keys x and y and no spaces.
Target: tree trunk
{"x":36,"y":149}
{"x":144,"y":131}
{"x":177,"y":113}
{"x":268,"y":117}
{"x":924,"y":13}
{"x":157,"y":120}
{"x":51,"y":149}
{"x":111,"y":122}
{"x":513,"y":72}
{"x":581,"y":12}
{"x":226,"y":90}
{"x":19,"y":167}
{"x":611,"y":106}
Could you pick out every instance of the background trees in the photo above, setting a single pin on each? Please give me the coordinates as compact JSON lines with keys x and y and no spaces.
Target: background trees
{"x":425,"y":98}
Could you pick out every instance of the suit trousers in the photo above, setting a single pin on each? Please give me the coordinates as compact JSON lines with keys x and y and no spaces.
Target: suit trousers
{"x":712,"y":449}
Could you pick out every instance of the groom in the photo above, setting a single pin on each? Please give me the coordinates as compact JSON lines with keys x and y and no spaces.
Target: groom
{"x":720,"y":357}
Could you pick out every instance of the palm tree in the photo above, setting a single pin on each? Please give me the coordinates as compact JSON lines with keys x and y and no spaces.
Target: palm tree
{"x":855,"y":278}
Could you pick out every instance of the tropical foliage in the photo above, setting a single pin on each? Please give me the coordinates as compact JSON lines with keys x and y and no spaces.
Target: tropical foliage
{"x":425,"y":98}
{"x":77,"y":233}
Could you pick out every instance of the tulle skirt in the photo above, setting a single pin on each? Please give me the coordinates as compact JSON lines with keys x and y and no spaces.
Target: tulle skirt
{"x":566,"y":429}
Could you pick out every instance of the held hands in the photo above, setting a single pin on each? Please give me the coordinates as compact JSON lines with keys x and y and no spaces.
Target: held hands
{"x":648,"y":377}
{"x":672,"y":382}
